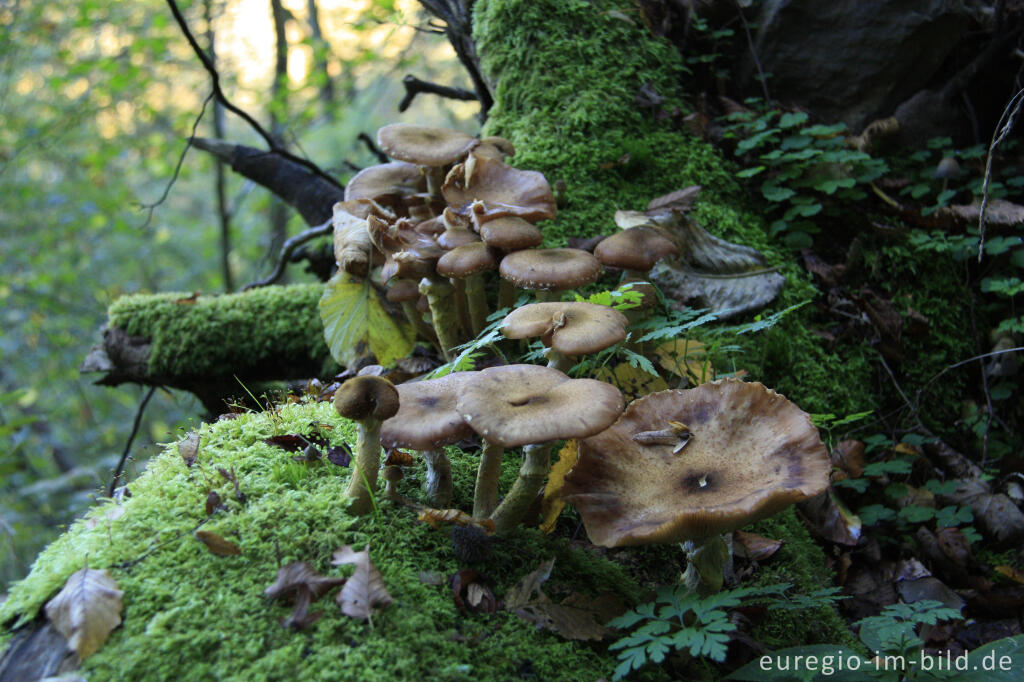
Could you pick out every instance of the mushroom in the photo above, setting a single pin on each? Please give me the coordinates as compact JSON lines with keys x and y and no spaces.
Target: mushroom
{"x":466,"y":264}
{"x":568,"y":329}
{"x":392,"y":475}
{"x":550,"y":271}
{"x":530,"y":405}
{"x":367,"y":400}
{"x":947,"y":168}
{"x":635,"y":250}
{"x":426,"y":422}
{"x":390,"y":184}
{"x":690,"y":465}
{"x":432,"y":149}
{"x":406,"y":293}
{"x":491,"y":189}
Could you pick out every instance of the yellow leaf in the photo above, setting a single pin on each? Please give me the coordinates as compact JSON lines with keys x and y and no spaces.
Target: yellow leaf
{"x":632,"y":381}
{"x":456,"y":516}
{"x":1011,"y":573}
{"x":686,"y":359}
{"x":357,"y":322}
{"x":552,"y":504}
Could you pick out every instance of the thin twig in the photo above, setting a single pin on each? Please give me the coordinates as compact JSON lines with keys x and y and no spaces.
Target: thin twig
{"x":935,"y":378}
{"x":414,"y":86}
{"x":753,"y":54}
{"x":372,"y":146}
{"x":125,"y":565}
{"x":131,"y":438}
{"x":222,"y":98}
{"x":286,"y":250}
{"x":1003,"y":128}
{"x":177,"y":169}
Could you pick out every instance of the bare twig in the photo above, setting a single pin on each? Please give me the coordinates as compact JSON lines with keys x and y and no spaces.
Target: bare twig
{"x":219,"y":93}
{"x":287,"y":249}
{"x":753,"y":54}
{"x":131,"y":439}
{"x":456,"y":15}
{"x":372,"y":146}
{"x":920,"y":392}
{"x":414,"y":86}
{"x":1003,"y":128}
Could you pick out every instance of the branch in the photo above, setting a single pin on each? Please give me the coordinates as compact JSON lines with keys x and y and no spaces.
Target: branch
{"x":286,"y":251}
{"x":131,"y":438}
{"x":222,"y":98}
{"x":372,"y":146}
{"x":457,"y":16}
{"x":414,"y":86}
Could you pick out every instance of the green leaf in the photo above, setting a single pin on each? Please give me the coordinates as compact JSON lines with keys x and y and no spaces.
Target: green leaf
{"x":789,"y":120}
{"x":773,"y":192}
{"x":749,"y":172}
{"x":357,"y":323}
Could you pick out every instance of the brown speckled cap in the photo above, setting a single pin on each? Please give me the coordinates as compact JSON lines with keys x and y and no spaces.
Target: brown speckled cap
{"x":571,"y":328}
{"x":385,"y":181}
{"x":366,"y":397}
{"x":427,"y":418}
{"x":423,"y":145}
{"x":495,"y":190}
{"x":467,"y":260}
{"x":510,"y":233}
{"x":517,"y":405}
{"x":636,"y":248}
{"x":750,"y":453}
{"x":550,"y":269}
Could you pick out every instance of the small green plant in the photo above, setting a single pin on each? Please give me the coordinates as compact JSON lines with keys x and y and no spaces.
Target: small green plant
{"x":678,"y":620}
{"x":805,"y":168}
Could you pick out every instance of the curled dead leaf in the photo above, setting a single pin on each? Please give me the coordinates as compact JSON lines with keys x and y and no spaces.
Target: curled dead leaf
{"x":456,"y":516}
{"x":754,"y":547}
{"x":86,"y":610}
{"x":216,"y":544}
{"x":188,"y":448}
{"x":552,"y":504}
{"x":364,"y":591}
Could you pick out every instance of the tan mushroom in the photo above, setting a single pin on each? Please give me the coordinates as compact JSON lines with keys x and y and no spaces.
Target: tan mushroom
{"x":389,"y":184}
{"x":494,"y":189}
{"x":465,"y":265}
{"x":550,"y":271}
{"x":689,"y":465}
{"x":433,"y":149}
{"x":426,"y":422}
{"x":635,"y":249}
{"x":530,"y":405}
{"x":367,"y":400}
{"x":568,"y":329}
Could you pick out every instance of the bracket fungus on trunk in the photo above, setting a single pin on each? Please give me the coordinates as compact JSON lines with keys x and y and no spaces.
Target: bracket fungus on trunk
{"x":749,"y":453}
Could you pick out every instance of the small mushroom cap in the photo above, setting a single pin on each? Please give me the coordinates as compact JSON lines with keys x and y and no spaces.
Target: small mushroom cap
{"x":517,"y":405}
{"x":466,"y":260}
{"x":572,"y":329}
{"x":402,"y":290}
{"x":550,"y":269}
{"x":393,"y":473}
{"x":948,"y":167}
{"x":427,"y":418}
{"x":636,"y":248}
{"x":385,"y":181}
{"x":750,"y":453}
{"x":510,"y":233}
{"x":424,"y":145}
{"x":454,"y":237}
{"x":366,"y":397}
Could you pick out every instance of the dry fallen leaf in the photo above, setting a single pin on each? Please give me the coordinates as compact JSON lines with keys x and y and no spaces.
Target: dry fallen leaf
{"x":552,"y":503}
{"x":632,"y":381}
{"x":754,"y":547}
{"x":300,"y":584}
{"x":216,"y":544}
{"x":831,"y":519}
{"x":188,"y":448}
{"x":364,"y":591}
{"x":86,"y":610}
{"x":472,"y":593}
{"x":568,"y":619}
{"x":1011,"y":573}
{"x":686,"y":359}
{"x":400,"y":458}
{"x":456,"y":516}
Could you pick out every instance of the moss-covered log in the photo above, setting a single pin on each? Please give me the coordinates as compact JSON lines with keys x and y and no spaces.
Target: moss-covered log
{"x":200,"y":344}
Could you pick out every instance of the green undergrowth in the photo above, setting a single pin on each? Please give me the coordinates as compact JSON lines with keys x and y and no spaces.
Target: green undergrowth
{"x":236,"y":333}
{"x":192,"y":615}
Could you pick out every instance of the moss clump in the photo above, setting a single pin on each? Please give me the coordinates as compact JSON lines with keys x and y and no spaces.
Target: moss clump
{"x":192,"y":615}
{"x":244,"y":333}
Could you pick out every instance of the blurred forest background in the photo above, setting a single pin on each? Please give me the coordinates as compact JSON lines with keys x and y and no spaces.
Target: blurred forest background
{"x":97,"y":101}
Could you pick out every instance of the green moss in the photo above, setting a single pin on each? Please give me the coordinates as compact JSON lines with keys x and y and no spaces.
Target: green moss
{"x":801,"y":562}
{"x":233,"y":333}
{"x":190,"y":614}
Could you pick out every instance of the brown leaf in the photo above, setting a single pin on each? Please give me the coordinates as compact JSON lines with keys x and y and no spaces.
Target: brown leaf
{"x":212,"y":502}
{"x":831,"y":520}
{"x":400,"y":458}
{"x":188,"y":448}
{"x":86,"y":610}
{"x":754,"y":547}
{"x":679,"y":200}
{"x":848,"y":455}
{"x":472,"y":593}
{"x":955,"y":546}
{"x":300,"y":576}
{"x":339,"y":455}
{"x":456,"y":516}
{"x":189,"y":299}
{"x":216,"y":544}
{"x":568,"y":619}
{"x":552,"y":503}
{"x":364,"y":591}
{"x":300,"y":618}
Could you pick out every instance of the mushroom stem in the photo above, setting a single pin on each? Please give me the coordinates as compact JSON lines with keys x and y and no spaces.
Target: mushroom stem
{"x":438,"y":484}
{"x":533,"y":472}
{"x":461,"y":305}
{"x":424,"y":330}
{"x":477,"y":301}
{"x":435,"y":178}
{"x":560,"y":361}
{"x":548,"y":295}
{"x":442,"y":309}
{"x":707,"y":561}
{"x":506,"y":293}
{"x":485,"y":493}
{"x":364,"y":472}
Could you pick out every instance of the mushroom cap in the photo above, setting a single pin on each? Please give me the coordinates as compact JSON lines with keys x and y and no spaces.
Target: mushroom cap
{"x":454,"y":237}
{"x":510,"y":233}
{"x":386,"y":180}
{"x":402,"y":290}
{"x":496,"y":189}
{"x":751,"y":453}
{"x":516,"y":405}
{"x":427,"y":418}
{"x":466,"y":260}
{"x":635,"y":248}
{"x":365,"y":397}
{"x":948,"y":167}
{"x":423,"y":145}
{"x":572,"y":329}
{"x":554,"y":269}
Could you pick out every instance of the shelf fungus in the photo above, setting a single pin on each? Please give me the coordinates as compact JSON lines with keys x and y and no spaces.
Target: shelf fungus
{"x":749,"y":453}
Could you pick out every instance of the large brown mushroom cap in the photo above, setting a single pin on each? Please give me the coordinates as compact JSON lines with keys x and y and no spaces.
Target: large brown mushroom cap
{"x":550,"y":269}
{"x":510,"y":233}
{"x":423,"y":145}
{"x":517,"y":405}
{"x":751,"y":454}
{"x":366,"y":397}
{"x":571,"y":328}
{"x":386,"y":181}
{"x":468,"y":259}
{"x":427,"y":418}
{"x":494,"y":190}
{"x":635,"y":248}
